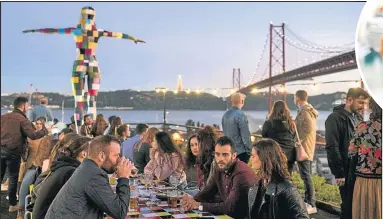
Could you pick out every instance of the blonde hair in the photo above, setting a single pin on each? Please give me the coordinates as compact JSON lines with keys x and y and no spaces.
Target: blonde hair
{"x":148,"y":138}
{"x":237,"y":98}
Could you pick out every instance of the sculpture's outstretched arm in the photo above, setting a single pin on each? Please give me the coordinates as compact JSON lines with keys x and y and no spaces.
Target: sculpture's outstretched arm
{"x":67,"y":30}
{"x":119,"y":35}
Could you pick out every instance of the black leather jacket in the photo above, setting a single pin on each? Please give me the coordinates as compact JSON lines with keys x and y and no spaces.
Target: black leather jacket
{"x":282,"y":199}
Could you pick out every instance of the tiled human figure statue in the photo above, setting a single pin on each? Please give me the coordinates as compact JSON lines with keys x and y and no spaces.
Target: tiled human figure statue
{"x":86,"y":36}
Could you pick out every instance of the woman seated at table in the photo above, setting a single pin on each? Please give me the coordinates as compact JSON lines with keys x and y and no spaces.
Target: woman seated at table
{"x":274,"y":195}
{"x":192,"y":153}
{"x":165,"y":159}
{"x":205,"y":160}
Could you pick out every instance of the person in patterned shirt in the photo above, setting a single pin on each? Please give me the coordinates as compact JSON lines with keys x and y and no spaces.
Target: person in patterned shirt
{"x":365,"y":159}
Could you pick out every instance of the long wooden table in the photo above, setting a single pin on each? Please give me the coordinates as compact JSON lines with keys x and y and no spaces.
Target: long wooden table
{"x":159,"y":209}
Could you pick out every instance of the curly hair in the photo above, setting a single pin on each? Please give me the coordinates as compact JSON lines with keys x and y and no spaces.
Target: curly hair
{"x":207,"y":139}
{"x":147,"y":139}
{"x":99,"y":126}
{"x":65,"y":142}
{"x":75,"y":147}
{"x":274,"y":161}
{"x":190,"y":158}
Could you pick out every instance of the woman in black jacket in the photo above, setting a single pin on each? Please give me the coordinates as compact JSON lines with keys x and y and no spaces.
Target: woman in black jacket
{"x":273,"y":195}
{"x":280,"y":127}
{"x":69,"y":158}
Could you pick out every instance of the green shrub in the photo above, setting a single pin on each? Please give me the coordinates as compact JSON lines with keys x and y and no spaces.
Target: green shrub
{"x":323,"y":191}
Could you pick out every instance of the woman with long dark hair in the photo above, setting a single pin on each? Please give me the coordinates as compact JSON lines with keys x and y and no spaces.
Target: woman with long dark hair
{"x":207,"y":139}
{"x":141,"y":149}
{"x":192,"y":153}
{"x":68,"y":159}
{"x":273,"y":195}
{"x":165,"y":159}
{"x":280,"y":127}
{"x":365,"y":159}
{"x":99,"y":126}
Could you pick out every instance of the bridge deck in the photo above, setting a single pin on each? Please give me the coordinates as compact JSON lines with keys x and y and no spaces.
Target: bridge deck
{"x":339,"y":63}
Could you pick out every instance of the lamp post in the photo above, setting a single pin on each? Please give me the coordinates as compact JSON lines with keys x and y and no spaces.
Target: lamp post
{"x":163,"y":90}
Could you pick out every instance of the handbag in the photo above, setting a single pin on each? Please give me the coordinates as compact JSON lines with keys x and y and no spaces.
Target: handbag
{"x":36,"y":189}
{"x":301,"y":153}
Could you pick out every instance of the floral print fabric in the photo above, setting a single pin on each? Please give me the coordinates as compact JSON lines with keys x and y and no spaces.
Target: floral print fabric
{"x":366,"y":147}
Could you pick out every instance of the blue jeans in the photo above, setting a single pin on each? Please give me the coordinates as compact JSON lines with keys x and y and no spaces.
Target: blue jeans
{"x":304,"y":171}
{"x":29,"y":179}
{"x":12,"y":163}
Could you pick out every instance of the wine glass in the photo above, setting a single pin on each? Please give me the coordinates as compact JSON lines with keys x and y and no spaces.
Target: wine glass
{"x":174,"y":180}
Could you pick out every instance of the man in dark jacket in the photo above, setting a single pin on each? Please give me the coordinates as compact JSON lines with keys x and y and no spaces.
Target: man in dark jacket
{"x":232,"y":183}
{"x":88,"y":194}
{"x":15,"y":128}
{"x":340,"y":126}
{"x":235,"y":125}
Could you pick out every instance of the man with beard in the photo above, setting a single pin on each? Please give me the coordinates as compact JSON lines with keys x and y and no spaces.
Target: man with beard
{"x":88,"y":194}
{"x":340,"y":125}
{"x":86,"y":128}
{"x":231,"y":182}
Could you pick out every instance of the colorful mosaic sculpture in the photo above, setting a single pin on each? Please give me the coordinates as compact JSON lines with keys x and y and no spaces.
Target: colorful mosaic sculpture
{"x":86,"y":36}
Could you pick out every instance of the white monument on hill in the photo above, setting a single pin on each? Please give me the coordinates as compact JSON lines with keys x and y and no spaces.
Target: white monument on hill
{"x":179,"y":83}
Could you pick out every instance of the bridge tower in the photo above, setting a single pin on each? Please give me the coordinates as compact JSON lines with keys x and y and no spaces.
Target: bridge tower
{"x":277,"y":56}
{"x":236,"y":78}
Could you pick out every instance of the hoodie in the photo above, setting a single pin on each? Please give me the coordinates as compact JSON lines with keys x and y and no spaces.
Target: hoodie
{"x":61,"y":170}
{"x":340,"y":126}
{"x":307,"y":127}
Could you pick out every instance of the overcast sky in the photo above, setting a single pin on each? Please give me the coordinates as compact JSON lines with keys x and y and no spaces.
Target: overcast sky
{"x":201,"y":41}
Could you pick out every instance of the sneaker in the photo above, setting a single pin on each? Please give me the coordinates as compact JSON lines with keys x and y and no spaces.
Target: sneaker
{"x":13,"y":208}
{"x":311,"y":209}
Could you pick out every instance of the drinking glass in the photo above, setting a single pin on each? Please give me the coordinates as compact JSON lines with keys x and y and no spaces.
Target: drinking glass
{"x":133,"y":201}
{"x":147,"y":180}
{"x":174,"y":180}
{"x":172,"y":198}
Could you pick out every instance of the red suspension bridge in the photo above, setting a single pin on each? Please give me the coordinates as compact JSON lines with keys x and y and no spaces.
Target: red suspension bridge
{"x":292,"y":58}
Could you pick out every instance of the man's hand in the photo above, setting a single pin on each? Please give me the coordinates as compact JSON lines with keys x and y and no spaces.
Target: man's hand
{"x":124,"y":168}
{"x":189,"y":203}
{"x":138,"y":41}
{"x":340,"y":181}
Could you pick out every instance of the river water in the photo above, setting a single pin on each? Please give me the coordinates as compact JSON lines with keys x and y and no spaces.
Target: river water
{"x":256,"y":118}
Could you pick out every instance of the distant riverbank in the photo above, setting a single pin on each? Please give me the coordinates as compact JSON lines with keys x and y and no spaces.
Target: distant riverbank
{"x":207,"y":117}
